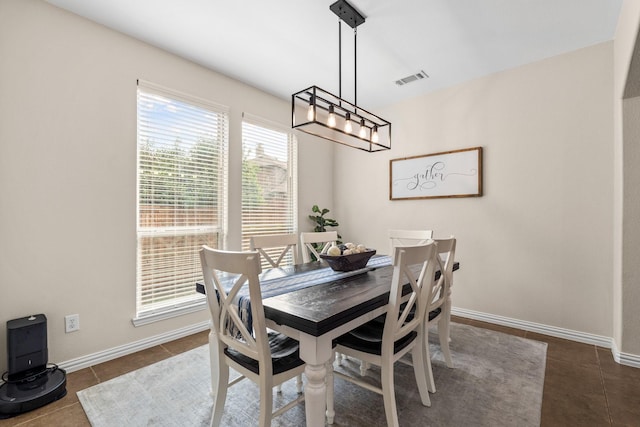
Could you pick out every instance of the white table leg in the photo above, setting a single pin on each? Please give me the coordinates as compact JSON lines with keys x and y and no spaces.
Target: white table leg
{"x":315,"y":351}
{"x":331,"y":413}
{"x":314,"y":395}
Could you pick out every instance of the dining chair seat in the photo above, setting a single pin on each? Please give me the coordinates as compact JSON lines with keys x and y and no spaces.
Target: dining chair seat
{"x":368,"y":338}
{"x":434,"y":313}
{"x":285,"y":355}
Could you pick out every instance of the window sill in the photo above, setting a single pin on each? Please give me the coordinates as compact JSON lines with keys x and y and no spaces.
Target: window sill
{"x":169,"y":313}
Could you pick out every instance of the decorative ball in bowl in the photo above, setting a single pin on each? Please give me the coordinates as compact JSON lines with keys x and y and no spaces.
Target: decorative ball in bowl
{"x":350,"y":262}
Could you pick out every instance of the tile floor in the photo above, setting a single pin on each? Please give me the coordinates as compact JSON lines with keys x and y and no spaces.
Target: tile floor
{"x":583,"y":385}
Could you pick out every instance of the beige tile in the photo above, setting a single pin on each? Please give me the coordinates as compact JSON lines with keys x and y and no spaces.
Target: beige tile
{"x":622,"y":389}
{"x":114,"y":368}
{"x":573,"y":396}
{"x":187,"y":343}
{"x":69,"y":416}
{"x":568,"y":351}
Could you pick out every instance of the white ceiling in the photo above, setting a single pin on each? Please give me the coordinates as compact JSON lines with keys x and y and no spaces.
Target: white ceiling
{"x":283,"y":46}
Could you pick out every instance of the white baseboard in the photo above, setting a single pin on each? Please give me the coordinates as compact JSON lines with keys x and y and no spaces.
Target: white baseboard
{"x":568,"y":334}
{"x":123,"y":350}
{"x":602,"y":341}
{"x":627,"y":359}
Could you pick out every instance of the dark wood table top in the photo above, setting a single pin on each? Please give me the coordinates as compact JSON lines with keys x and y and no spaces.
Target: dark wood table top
{"x":320,"y":308}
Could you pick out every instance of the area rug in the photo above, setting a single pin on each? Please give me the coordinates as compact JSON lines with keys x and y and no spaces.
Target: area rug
{"x":497,"y":380}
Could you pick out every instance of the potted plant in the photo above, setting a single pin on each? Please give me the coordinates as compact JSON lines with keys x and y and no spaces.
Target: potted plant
{"x":321,"y":223}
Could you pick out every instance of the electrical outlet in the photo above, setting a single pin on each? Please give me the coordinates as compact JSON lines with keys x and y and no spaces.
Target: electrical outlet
{"x":71,"y":323}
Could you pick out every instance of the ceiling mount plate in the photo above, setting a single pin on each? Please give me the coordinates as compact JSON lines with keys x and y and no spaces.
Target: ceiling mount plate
{"x":347,"y":13}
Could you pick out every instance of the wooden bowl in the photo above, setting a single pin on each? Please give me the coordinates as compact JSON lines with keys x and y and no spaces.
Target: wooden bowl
{"x":348,"y":262}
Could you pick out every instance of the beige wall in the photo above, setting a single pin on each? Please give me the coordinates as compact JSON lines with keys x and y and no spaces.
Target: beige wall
{"x":537,"y":246}
{"x":68,"y":171}
{"x":543,"y":245}
{"x":630,"y":315}
{"x":626,"y":231}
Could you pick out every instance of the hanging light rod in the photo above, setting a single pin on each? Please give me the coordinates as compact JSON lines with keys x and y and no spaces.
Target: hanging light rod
{"x":318,"y":112}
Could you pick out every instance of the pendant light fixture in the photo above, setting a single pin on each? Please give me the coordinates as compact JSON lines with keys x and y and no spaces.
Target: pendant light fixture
{"x":318,"y":112}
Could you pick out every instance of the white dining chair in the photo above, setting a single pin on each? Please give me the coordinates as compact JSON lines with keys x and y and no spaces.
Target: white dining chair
{"x":402,"y":237}
{"x":408,"y":237}
{"x":277,"y":246}
{"x":308,"y":240}
{"x":274,"y":248}
{"x":448,"y":260}
{"x":401,"y":332}
{"x":438,"y":307}
{"x":439,"y":304}
{"x":265,"y":358}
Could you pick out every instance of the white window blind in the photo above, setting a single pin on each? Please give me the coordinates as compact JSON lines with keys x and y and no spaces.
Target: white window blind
{"x":269,"y":181}
{"x":182,"y":161}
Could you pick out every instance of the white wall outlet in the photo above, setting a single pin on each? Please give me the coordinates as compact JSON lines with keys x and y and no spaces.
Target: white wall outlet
{"x":71,"y":323}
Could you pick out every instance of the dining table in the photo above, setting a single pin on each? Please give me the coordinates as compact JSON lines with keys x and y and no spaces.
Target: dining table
{"x":314,"y":305}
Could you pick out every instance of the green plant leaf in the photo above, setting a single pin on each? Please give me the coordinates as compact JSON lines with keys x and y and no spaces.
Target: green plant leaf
{"x":320,"y":221}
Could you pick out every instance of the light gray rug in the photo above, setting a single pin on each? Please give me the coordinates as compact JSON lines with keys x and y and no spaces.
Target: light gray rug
{"x":497,"y":380}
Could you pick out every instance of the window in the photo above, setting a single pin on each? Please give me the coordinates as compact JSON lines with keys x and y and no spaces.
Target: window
{"x":269,"y":160}
{"x":181,"y":197}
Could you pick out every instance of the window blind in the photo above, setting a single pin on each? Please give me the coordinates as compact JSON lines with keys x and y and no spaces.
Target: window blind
{"x":182,"y":163}
{"x":269,"y":181}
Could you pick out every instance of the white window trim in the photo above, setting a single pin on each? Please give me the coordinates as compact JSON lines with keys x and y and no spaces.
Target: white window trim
{"x":193,"y":303}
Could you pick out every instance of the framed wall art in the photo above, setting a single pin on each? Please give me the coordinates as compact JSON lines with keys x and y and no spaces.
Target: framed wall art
{"x":448,"y":174}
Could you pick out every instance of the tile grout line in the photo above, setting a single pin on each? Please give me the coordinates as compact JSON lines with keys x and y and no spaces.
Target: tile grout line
{"x":604,"y":389}
{"x":171,"y":354}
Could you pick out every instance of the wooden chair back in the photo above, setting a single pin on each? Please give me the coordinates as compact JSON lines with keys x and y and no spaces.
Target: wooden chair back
{"x":408,"y":238}
{"x":440,"y":290}
{"x":415,"y":266}
{"x":276,"y":246}
{"x":308,"y":239}
{"x":225,"y":274}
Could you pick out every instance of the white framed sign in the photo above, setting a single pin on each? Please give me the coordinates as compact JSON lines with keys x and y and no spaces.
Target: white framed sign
{"x":448,"y":174}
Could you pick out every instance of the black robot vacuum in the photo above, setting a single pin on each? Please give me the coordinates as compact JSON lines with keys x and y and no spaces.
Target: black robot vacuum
{"x":30,"y":382}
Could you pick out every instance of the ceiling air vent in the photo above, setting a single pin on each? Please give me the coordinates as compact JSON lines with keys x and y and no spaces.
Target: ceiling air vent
{"x":412,"y":78}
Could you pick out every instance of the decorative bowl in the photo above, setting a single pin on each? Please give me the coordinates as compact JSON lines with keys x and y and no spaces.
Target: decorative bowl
{"x":348,"y":262}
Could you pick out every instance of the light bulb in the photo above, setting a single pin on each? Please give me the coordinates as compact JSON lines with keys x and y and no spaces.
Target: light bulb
{"x":363,"y":130}
{"x":348,"y":128}
{"x":374,"y":134}
{"x":311,"y":114}
{"x":331,"y":121}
